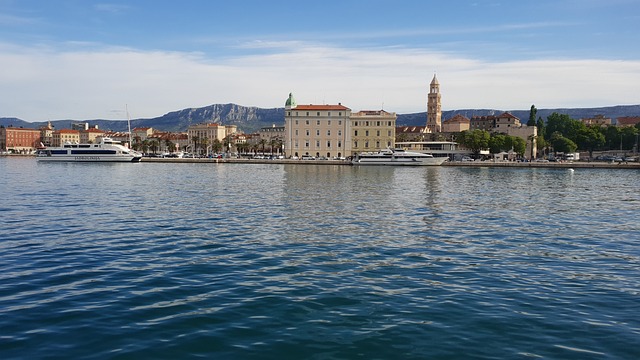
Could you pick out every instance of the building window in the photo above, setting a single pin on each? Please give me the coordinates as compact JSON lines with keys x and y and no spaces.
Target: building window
{"x":328,"y":144}
{"x":306,"y":144}
{"x":307,"y":132}
{"x":329,"y":113}
{"x":366,"y":123}
{"x":317,"y":144}
{"x":307,"y":122}
{"x":355,"y":133}
{"x":339,"y":122}
{"x":355,"y":144}
{"x":378,"y":123}
{"x":318,"y":114}
{"x":377,"y":144}
{"x":296,"y":132}
{"x":366,"y":144}
{"x":388,"y":132}
{"x":329,"y":121}
{"x":377,"y":132}
{"x":340,"y":113}
{"x":318,"y":121}
{"x":339,"y":143}
{"x":307,"y":113}
{"x":355,"y":123}
{"x":288,"y":113}
{"x":339,"y":133}
{"x":318,"y":132}
{"x":366,"y":133}
{"x":328,"y":132}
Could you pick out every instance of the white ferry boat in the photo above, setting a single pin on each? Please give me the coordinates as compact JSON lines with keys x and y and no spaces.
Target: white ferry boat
{"x":397,"y":157}
{"x":107,"y":150}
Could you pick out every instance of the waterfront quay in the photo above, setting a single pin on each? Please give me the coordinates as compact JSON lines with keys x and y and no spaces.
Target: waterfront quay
{"x":506,"y":164}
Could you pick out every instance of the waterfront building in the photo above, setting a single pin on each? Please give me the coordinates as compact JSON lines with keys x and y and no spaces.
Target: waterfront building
{"x":19,"y":140}
{"x":140,"y":134}
{"x":121,"y":136}
{"x":372,"y":130}
{"x":317,"y":130}
{"x":434,"y":107}
{"x":202,"y":135}
{"x":63,"y":136}
{"x":273,"y":136}
{"x":458,"y":123}
{"x":89,"y":135}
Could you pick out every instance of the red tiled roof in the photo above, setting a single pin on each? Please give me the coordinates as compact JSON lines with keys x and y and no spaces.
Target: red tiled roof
{"x":507,"y":115}
{"x":321,"y":107}
{"x":628,"y":120}
{"x":458,"y":119}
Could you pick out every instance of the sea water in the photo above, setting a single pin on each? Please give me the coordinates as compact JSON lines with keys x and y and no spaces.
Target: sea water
{"x":266,"y":261}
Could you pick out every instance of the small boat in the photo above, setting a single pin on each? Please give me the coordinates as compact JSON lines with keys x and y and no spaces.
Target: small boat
{"x":397,"y":157}
{"x":106,"y":150}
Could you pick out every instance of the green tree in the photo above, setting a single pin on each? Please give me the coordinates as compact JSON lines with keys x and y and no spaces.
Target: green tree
{"x":519,"y":145}
{"x":196,"y":140}
{"x":169,"y":145}
{"x":475,"y":140}
{"x":562,"y":144}
{"x":591,"y":138}
{"x":497,"y":143}
{"x":532,"y":116}
{"x":204,"y":143}
{"x":216,"y":146}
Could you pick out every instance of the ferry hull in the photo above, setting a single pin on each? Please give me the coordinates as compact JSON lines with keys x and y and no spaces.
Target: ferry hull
{"x":399,"y":162}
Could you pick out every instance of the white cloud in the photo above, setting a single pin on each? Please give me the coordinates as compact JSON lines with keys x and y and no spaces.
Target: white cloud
{"x":46,"y":83}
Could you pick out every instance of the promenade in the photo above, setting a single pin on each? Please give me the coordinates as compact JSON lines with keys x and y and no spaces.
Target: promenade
{"x":508,"y":164}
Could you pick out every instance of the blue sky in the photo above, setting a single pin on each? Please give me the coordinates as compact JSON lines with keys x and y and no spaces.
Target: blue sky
{"x":87,"y":59}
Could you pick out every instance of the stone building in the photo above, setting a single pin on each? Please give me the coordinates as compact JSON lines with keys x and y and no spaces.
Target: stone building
{"x":62,"y":136}
{"x":372,"y":130}
{"x":458,"y":123}
{"x":434,"y":107}
{"x":316,"y":130}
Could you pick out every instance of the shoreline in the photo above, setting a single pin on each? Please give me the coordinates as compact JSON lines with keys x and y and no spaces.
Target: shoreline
{"x":503,"y":164}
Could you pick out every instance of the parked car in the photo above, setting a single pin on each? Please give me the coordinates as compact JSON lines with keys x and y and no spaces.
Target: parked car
{"x":307,"y":157}
{"x":466,"y":158}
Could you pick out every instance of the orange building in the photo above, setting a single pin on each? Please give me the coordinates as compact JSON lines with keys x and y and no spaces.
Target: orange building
{"x":19,"y":140}
{"x":65,"y":135}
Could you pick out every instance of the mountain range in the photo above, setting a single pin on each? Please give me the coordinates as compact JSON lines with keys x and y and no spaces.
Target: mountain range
{"x":251,"y":119}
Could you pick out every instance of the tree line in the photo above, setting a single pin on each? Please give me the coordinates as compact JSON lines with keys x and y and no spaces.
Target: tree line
{"x":560,"y":133}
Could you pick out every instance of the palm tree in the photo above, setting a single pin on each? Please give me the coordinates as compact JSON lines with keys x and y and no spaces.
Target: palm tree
{"x":169,"y":144}
{"x":137,"y":142}
{"x":195,"y":139}
{"x":153,"y":144}
{"x":216,"y":146}
{"x":204,"y":143}
{"x":262,"y":143}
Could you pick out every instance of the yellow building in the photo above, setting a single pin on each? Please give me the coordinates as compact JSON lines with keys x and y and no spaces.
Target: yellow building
{"x":202,"y":135}
{"x":316,"y":130}
{"x":60,"y":137}
{"x":372,"y":130}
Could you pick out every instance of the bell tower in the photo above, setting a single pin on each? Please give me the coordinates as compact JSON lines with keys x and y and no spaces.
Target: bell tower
{"x":434,"y":107}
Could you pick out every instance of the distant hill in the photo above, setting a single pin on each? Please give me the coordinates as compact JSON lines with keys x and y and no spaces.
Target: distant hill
{"x":251,"y":119}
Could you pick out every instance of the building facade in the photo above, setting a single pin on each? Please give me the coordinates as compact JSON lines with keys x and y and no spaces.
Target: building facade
{"x":19,"y":140}
{"x":90,"y":135}
{"x":316,"y":130}
{"x":372,"y":130}
{"x":63,"y":136}
{"x":202,"y":135}
{"x":458,"y":123}
{"x":434,"y":107}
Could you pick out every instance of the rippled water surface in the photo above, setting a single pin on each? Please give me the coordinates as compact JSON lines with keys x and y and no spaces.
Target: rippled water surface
{"x":229,"y":261}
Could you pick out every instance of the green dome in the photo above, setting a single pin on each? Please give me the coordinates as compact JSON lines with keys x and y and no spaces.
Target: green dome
{"x":291,"y":102}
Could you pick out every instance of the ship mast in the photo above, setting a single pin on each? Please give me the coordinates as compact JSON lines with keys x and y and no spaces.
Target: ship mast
{"x":129,"y":125}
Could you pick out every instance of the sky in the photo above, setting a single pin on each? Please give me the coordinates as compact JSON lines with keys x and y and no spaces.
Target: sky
{"x":85,"y":59}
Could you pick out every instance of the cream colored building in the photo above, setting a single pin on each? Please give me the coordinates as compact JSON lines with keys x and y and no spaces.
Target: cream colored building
{"x":89,"y":135}
{"x":372,"y":130}
{"x":204,"y":134}
{"x":65,"y":135}
{"x":316,"y":130}
{"x":458,"y":123}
